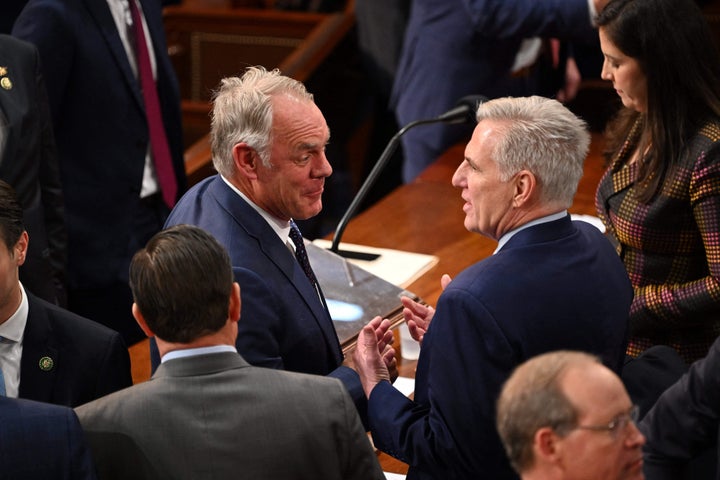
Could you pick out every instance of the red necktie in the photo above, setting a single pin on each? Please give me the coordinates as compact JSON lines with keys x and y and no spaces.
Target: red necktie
{"x":158,"y":140}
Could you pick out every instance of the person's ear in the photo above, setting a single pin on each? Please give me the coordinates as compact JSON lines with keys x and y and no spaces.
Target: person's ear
{"x":235,"y":303}
{"x":545,"y":445}
{"x":140,"y":319}
{"x":19,"y":250}
{"x":525,"y":185}
{"x":246,"y":160}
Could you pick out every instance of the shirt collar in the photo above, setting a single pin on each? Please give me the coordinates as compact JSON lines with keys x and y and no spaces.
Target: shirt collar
{"x":548,"y":218}
{"x":193,"y":352}
{"x":13,"y":328}
{"x":281,"y":227}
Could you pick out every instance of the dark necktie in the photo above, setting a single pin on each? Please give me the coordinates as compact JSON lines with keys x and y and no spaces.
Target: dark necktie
{"x":158,"y":140}
{"x":301,"y":253}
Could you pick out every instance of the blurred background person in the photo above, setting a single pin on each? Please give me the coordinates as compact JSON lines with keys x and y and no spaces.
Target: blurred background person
{"x":28,"y":162}
{"x":115,"y":105}
{"x":454,"y":48}
{"x":563,"y":416}
{"x":660,"y":196}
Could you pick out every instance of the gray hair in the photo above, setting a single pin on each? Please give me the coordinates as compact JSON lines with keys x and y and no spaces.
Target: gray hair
{"x":242,"y":112}
{"x":542,"y":136}
{"x":532,"y":399}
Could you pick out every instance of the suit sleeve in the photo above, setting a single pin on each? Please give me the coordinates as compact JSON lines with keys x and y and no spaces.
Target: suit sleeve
{"x":567,"y":19}
{"x":351,"y":381}
{"x":115,"y":373}
{"x":81,"y":463}
{"x":51,"y":189}
{"x":358,"y":459}
{"x":684,"y":420}
{"x":467,"y":357}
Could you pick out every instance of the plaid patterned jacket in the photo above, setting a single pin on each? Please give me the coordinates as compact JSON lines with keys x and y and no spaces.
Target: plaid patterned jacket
{"x":670,"y":246}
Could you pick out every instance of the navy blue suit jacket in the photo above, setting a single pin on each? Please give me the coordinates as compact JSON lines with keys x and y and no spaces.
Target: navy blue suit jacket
{"x":557,"y":285}
{"x":283,"y":323}
{"x":100,"y":126}
{"x":88,"y":359}
{"x":454,"y":48}
{"x":42,"y":442}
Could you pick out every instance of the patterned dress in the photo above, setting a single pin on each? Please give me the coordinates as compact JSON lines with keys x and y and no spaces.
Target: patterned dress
{"x":670,"y":246}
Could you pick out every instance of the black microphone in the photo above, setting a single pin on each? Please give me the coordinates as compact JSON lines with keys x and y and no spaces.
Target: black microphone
{"x":463,"y":112}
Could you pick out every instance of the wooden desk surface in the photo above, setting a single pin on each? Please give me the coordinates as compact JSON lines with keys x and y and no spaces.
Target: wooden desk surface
{"x":426,"y":217}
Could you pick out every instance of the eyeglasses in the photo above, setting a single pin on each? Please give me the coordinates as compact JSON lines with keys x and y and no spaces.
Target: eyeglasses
{"x":617,"y":424}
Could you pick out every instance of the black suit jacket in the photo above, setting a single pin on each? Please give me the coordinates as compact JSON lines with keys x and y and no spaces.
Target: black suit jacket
{"x":683,"y":427}
{"x":28,"y":162}
{"x":100,"y":126}
{"x":88,"y":360}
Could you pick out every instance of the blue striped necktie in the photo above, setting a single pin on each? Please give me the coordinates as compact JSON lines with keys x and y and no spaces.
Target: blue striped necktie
{"x":301,"y":253}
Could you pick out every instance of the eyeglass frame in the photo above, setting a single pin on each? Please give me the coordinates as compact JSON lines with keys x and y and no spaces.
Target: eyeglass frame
{"x":617,"y":424}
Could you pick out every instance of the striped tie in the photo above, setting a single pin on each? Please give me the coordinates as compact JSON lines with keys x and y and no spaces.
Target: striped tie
{"x":301,"y":253}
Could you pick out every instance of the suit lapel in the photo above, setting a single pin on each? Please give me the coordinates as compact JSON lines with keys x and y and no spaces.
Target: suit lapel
{"x":37,"y":383}
{"x":100,"y":12}
{"x":277,"y":253}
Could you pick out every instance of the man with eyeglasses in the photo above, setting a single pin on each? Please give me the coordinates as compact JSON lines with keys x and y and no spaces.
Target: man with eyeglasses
{"x":563,"y":415}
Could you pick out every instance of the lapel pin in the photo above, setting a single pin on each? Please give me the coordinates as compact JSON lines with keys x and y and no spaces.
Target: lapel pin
{"x":3,"y":71}
{"x":46,"y":364}
{"x":5,"y":83}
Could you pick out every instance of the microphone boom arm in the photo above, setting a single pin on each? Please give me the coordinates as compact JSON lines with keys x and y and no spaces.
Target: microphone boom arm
{"x":370,"y":180}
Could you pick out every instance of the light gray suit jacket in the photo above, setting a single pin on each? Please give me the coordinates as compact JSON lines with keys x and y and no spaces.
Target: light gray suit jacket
{"x":215,"y":416}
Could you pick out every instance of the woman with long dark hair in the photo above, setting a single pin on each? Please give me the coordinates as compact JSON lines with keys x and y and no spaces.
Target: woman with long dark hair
{"x":660,"y":197}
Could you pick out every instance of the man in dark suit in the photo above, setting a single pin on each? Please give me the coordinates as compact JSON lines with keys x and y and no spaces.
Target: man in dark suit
{"x":454,"y":48}
{"x":28,"y":162}
{"x":268,"y":141}
{"x":206,"y":412}
{"x":118,"y":184}
{"x":47,"y":353}
{"x":42,"y":442}
{"x":551,"y":284}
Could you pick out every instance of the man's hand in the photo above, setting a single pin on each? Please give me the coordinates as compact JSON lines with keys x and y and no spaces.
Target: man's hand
{"x":419,"y":316}
{"x":374,"y":353}
{"x":573,"y":78}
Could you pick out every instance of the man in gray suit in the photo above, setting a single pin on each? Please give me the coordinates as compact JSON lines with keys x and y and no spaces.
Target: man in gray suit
{"x":206,"y":413}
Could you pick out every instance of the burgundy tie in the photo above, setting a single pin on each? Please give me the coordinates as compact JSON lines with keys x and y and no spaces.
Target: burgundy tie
{"x":158,"y":140}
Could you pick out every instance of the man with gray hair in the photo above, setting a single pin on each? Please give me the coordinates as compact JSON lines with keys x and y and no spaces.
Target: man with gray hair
{"x":551,"y":284}
{"x":563,"y":415}
{"x":268,"y":145}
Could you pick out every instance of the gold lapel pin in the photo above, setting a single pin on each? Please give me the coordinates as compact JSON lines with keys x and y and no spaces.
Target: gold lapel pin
{"x":46,"y":364}
{"x":5,"y":83}
{"x":3,"y":71}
